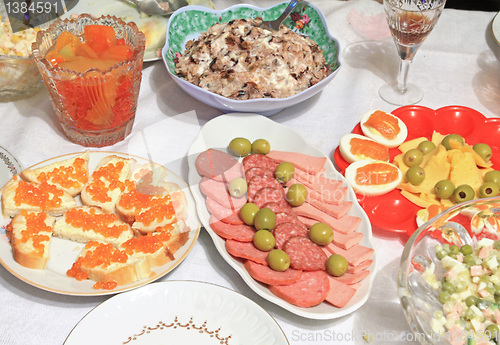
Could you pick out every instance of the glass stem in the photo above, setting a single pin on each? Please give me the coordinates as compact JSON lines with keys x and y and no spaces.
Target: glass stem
{"x":404,"y":67}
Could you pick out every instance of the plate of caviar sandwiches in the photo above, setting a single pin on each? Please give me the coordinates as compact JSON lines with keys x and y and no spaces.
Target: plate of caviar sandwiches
{"x":95,"y":223}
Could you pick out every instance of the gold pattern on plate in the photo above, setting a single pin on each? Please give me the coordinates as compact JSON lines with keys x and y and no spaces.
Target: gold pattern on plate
{"x":190,"y":325}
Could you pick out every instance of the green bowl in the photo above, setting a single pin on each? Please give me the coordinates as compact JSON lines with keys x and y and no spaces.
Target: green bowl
{"x":190,"y":22}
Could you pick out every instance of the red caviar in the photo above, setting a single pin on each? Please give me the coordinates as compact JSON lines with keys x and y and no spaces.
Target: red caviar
{"x":149,"y":208}
{"x":106,"y":285}
{"x":376,"y":173}
{"x":96,"y":255}
{"x":104,"y":224}
{"x":68,"y":176}
{"x":35,"y":225}
{"x":384,"y":123}
{"x":164,"y":232}
{"x":105,"y":179}
{"x":369,"y":149}
{"x":42,"y":195}
{"x":146,"y":244}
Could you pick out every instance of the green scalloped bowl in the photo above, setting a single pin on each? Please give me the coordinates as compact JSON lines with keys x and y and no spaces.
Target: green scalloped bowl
{"x":189,"y":22}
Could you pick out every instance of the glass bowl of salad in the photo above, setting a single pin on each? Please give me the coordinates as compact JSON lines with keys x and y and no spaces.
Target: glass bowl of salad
{"x":449,"y":276}
{"x":19,"y":76}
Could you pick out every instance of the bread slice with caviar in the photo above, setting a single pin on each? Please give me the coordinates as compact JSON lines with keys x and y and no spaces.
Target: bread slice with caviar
{"x":108,"y":265}
{"x":19,"y":195}
{"x":70,"y":174}
{"x":89,"y":223}
{"x":107,"y":182}
{"x":150,"y":248}
{"x":173,"y":236}
{"x":147,"y":212}
{"x":30,"y":235}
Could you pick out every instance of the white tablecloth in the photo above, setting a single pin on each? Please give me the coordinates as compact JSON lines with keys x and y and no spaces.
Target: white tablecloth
{"x":457,"y":65}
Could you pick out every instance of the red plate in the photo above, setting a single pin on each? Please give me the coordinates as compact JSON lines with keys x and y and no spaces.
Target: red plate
{"x":394,"y":213}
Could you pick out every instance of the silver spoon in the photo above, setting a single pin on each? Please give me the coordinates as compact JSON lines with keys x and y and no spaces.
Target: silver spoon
{"x":274,"y":25}
{"x":158,"y":7}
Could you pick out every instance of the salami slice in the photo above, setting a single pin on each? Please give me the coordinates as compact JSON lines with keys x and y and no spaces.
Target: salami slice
{"x":267,"y":275}
{"x":218,"y":165}
{"x":222,"y":213}
{"x":284,"y":217}
{"x":256,"y":183}
{"x":310,"y":290}
{"x":304,"y":254}
{"x":268,"y":194}
{"x":258,"y":171}
{"x":283,"y":206}
{"x":241,"y":232}
{"x":246,"y":250}
{"x":284,"y":231}
{"x":259,"y":161}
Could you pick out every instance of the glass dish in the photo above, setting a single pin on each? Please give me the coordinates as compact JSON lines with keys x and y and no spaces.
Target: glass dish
{"x":457,"y":225}
{"x":95,"y":108}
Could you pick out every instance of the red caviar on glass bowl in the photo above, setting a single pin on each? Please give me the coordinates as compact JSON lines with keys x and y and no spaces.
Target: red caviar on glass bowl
{"x":190,"y":22}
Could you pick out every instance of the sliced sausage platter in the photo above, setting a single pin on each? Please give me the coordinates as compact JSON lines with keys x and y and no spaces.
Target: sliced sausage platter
{"x":216,"y":135}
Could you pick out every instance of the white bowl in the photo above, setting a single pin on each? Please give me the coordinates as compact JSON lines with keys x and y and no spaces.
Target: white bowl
{"x":190,"y":22}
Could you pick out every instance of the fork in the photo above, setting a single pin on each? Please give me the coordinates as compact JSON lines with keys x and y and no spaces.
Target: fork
{"x":274,"y":25}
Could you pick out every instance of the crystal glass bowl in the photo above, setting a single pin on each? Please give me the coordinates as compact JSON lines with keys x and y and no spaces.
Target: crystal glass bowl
{"x":19,"y":77}
{"x":417,"y":291}
{"x":190,"y":22}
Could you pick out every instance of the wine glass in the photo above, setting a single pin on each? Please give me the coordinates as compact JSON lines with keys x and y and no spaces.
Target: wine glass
{"x":410,"y":22}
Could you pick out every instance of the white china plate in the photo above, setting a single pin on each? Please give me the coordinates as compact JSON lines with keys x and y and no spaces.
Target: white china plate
{"x":9,"y":166}
{"x":63,"y":253}
{"x":217,"y":133}
{"x":129,"y":13}
{"x":178,"y":312}
{"x":495,"y":27}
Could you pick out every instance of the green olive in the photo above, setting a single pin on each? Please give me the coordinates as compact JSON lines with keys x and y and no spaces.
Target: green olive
{"x":484,"y":150}
{"x":240,"y":146}
{"x":264,"y":240}
{"x":238,"y":187}
{"x":265,"y":219}
{"x":248,"y":212}
{"x":415,"y":175}
{"x":488,"y":189}
{"x":492,"y":176}
{"x":455,"y":137}
{"x":296,"y":194}
{"x":426,"y":146}
{"x":336,"y":265}
{"x":278,"y":260}
{"x":321,"y":233}
{"x":284,"y":172}
{"x":261,"y":146}
{"x":444,"y":189}
{"x":466,"y":249}
{"x":463,"y":193}
{"x":413,"y":157}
